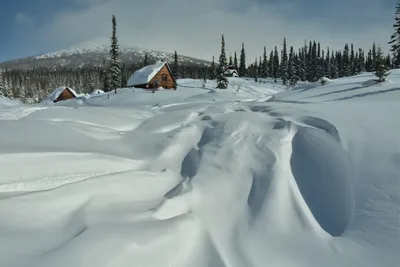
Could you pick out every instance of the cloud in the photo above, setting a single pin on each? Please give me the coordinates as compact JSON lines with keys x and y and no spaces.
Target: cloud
{"x":24,"y":19}
{"x":194,"y":28}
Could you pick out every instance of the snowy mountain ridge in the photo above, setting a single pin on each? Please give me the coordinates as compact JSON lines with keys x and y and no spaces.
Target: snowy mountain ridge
{"x":93,"y":53}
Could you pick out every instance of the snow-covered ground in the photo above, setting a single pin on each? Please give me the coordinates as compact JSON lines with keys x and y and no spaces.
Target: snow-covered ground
{"x":252,"y":176}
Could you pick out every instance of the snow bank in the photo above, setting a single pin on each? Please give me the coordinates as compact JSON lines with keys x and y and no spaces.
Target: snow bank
{"x":6,"y":102}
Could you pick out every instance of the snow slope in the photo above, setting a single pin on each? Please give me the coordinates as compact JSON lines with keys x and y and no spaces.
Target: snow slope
{"x":249,"y":176}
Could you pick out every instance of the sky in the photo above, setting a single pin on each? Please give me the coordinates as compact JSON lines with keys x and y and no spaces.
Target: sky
{"x":193,"y":27}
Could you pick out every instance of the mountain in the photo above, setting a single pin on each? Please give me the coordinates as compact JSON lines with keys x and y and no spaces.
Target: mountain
{"x":93,"y":53}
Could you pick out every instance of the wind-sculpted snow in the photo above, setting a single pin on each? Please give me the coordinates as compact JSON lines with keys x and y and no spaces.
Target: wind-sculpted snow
{"x":322,"y":172}
{"x":192,"y":178}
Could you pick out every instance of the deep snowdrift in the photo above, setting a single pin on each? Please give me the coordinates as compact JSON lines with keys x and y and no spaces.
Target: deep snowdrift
{"x":202,"y":177}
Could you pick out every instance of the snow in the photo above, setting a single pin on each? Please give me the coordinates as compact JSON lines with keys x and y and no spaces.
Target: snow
{"x":145,"y":74}
{"x":246,"y":176}
{"x":97,"y":92}
{"x":6,"y":102}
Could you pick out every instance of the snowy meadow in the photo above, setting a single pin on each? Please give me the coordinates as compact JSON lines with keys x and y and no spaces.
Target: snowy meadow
{"x":253,"y":175}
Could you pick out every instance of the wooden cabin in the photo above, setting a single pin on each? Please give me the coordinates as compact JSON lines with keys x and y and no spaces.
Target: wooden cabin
{"x":154,"y":76}
{"x":62,"y":93}
{"x":231,"y":71}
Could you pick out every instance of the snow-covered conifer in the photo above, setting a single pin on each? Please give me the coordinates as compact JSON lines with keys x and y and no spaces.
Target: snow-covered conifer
{"x":115,"y":69}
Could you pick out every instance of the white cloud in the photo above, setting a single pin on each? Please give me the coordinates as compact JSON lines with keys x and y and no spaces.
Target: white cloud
{"x":194,"y":28}
{"x":24,"y":19}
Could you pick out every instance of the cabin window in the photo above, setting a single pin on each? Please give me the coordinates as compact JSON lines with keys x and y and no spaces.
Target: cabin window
{"x":164,"y":78}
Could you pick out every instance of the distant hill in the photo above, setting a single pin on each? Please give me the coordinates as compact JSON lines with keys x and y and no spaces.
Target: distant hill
{"x":93,"y":53}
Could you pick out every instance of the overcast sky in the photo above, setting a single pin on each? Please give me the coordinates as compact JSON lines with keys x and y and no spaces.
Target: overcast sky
{"x":193,"y":28}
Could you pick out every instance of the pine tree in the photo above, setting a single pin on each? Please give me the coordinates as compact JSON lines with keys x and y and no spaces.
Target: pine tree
{"x":2,"y":89}
{"x":22,"y":95}
{"x":334,"y":66}
{"x":369,"y":65}
{"x":353,"y":64}
{"x":222,"y":81}
{"x":145,"y":60}
{"x":115,"y":71}
{"x":388,"y":61}
{"x":395,"y":38}
{"x":284,"y":63}
{"x":175,"y":67}
{"x":255,"y":71}
{"x":235,"y":61}
{"x":230,"y":61}
{"x":302,"y":65}
{"x":292,"y":68}
{"x":124,"y":78}
{"x":271,"y":64}
{"x":314,"y":63}
{"x":242,"y":63}
{"x":276,"y":64}
{"x":360,"y":61}
{"x":346,"y":61}
{"x":374,"y":53}
{"x":212,"y":70}
{"x":264,"y":73}
{"x":328,"y":64}
{"x":381,"y":70}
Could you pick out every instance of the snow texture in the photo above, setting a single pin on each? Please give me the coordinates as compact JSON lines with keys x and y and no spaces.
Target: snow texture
{"x":250,"y":176}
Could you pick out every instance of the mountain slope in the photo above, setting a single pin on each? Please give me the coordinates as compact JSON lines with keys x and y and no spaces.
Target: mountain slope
{"x":93,"y":53}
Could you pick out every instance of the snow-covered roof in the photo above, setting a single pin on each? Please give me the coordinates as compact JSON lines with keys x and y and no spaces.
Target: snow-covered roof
{"x":231,"y":71}
{"x":57,"y":92}
{"x":145,"y":74}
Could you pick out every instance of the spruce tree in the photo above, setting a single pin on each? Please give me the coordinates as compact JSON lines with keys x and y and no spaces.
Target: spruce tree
{"x":276,"y":64}
{"x":314,"y":63}
{"x":145,"y":60}
{"x":369,"y":65}
{"x":271,"y":64}
{"x":328,"y":64}
{"x":115,"y":71}
{"x":264,"y":73}
{"x":230,"y":61}
{"x":235,"y":62}
{"x":212,"y":70}
{"x":242,"y":63}
{"x":175,"y":67}
{"x":255,"y":71}
{"x":353,"y":64}
{"x":292,"y":68}
{"x":222,"y":81}
{"x":395,"y":38}
{"x":2,"y":89}
{"x":124,"y":78}
{"x":284,"y":63}
{"x":381,"y":70}
{"x":374,"y":52}
{"x":388,"y":61}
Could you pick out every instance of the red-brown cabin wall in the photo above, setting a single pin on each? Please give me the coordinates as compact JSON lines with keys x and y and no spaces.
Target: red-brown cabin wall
{"x":169,"y":83}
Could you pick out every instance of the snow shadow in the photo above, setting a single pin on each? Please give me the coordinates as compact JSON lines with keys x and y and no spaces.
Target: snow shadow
{"x":261,"y":183}
{"x":323,"y":125}
{"x":368,"y":94}
{"x":322,"y":172}
{"x":366,"y":84}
